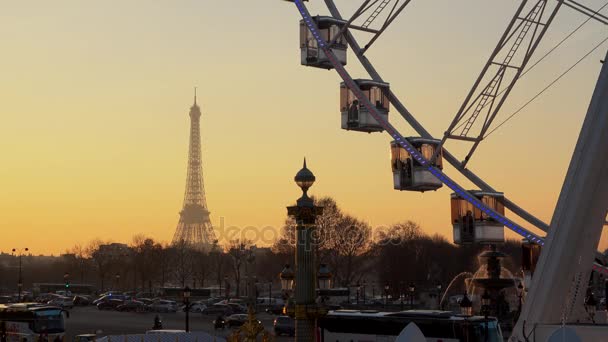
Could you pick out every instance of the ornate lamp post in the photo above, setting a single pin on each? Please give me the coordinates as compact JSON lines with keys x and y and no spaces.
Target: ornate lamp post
{"x":485,"y":309}
{"x":20,"y":280}
{"x":187,"y":293}
{"x":412,"y":290}
{"x":305,"y":213}
{"x":324,"y":277}
{"x":466,"y":309}
{"x":466,"y":306}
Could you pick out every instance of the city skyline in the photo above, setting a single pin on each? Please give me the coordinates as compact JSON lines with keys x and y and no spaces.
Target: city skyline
{"x":101,"y":153}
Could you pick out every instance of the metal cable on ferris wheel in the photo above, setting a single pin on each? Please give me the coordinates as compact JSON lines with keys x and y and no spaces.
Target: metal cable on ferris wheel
{"x":417,"y":161}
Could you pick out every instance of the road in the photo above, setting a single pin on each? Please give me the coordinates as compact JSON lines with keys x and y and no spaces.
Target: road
{"x":90,"y":320}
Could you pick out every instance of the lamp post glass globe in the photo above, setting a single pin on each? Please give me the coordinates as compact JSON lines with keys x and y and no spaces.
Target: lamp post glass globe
{"x":412,"y":288}
{"x":286,"y":277}
{"x":324,"y":276}
{"x":187,"y":292}
{"x":304,"y":178}
{"x":466,"y":306}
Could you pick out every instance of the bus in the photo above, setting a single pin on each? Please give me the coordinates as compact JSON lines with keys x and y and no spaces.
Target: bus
{"x":29,"y":322}
{"x":437,"y":326}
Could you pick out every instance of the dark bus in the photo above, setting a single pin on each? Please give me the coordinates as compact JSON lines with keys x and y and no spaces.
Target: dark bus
{"x":444,"y":326}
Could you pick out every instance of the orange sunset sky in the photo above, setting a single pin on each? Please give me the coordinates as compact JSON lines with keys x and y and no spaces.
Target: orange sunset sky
{"x":95,"y":98}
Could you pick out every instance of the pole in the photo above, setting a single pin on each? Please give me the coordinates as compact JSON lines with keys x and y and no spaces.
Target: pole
{"x":187,"y":314}
{"x":20,"y":283}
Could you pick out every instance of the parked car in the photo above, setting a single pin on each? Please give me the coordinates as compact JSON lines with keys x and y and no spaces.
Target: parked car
{"x":132,"y":306}
{"x":237,"y":308}
{"x":139,"y":295}
{"x":275,"y":309}
{"x":217,"y":309}
{"x":82,"y":300}
{"x":107,"y":297}
{"x":46,"y":297}
{"x":284,"y":325}
{"x":194,"y":307}
{"x":109,"y":304}
{"x":84,"y":338}
{"x":237,"y":320}
{"x":162,"y":305}
{"x":62,"y":302}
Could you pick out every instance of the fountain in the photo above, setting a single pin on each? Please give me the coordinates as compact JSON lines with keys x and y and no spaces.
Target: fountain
{"x":498,"y":284}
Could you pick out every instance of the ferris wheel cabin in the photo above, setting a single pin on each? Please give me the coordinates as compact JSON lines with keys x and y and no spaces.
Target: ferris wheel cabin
{"x":355,"y":116}
{"x":311,"y":54}
{"x":408,"y":174}
{"x":471,"y":225}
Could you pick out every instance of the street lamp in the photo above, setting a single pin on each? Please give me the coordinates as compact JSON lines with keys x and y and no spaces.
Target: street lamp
{"x":187,"y":293}
{"x":305,"y":213}
{"x":117,"y":276}
{"x":358,"y":291}
{"x":226,"y":287}
{"x":412,"y":289}
{"x":324,"y":277}
{"x":401,"y":293}
{"x":286,"y":277}
{"x":466,"y":306}
{"x":20,"y":280}
{"x":386,"y":289}
{"x":364,"y":286}
{"x":466,"y":309}
{"x":439,"y":296}
{"x":590,"y":306}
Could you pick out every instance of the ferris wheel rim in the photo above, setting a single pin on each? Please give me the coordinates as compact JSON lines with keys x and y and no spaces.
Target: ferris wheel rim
{"x":444,"y":178}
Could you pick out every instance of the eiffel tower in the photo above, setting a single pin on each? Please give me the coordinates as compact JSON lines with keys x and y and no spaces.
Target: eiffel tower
{"x":194,"y":227}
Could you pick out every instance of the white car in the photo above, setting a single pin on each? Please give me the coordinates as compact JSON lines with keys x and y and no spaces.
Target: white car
{"x":162,"y":305}
{"x":62,"y":302}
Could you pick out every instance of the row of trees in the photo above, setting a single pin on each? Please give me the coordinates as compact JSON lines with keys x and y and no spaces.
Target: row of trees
{"x":397,"y":255}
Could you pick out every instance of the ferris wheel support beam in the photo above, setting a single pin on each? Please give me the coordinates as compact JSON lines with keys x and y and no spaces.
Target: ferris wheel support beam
{"x":576,"y":227}
{"x":405,"y":113}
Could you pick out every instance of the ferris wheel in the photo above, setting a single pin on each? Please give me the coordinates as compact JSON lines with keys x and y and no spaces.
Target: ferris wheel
{"x":478,"y":216}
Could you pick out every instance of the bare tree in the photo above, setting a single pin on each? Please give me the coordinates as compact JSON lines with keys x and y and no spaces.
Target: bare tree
{"x":239,"y":250}
{"x":145,"y":260}
{"x":100,"y":260}
{"x":350,"y":240}
{"x":183,"y":260}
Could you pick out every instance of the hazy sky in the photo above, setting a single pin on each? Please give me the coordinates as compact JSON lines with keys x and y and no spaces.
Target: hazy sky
{"x":95,"y":99}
